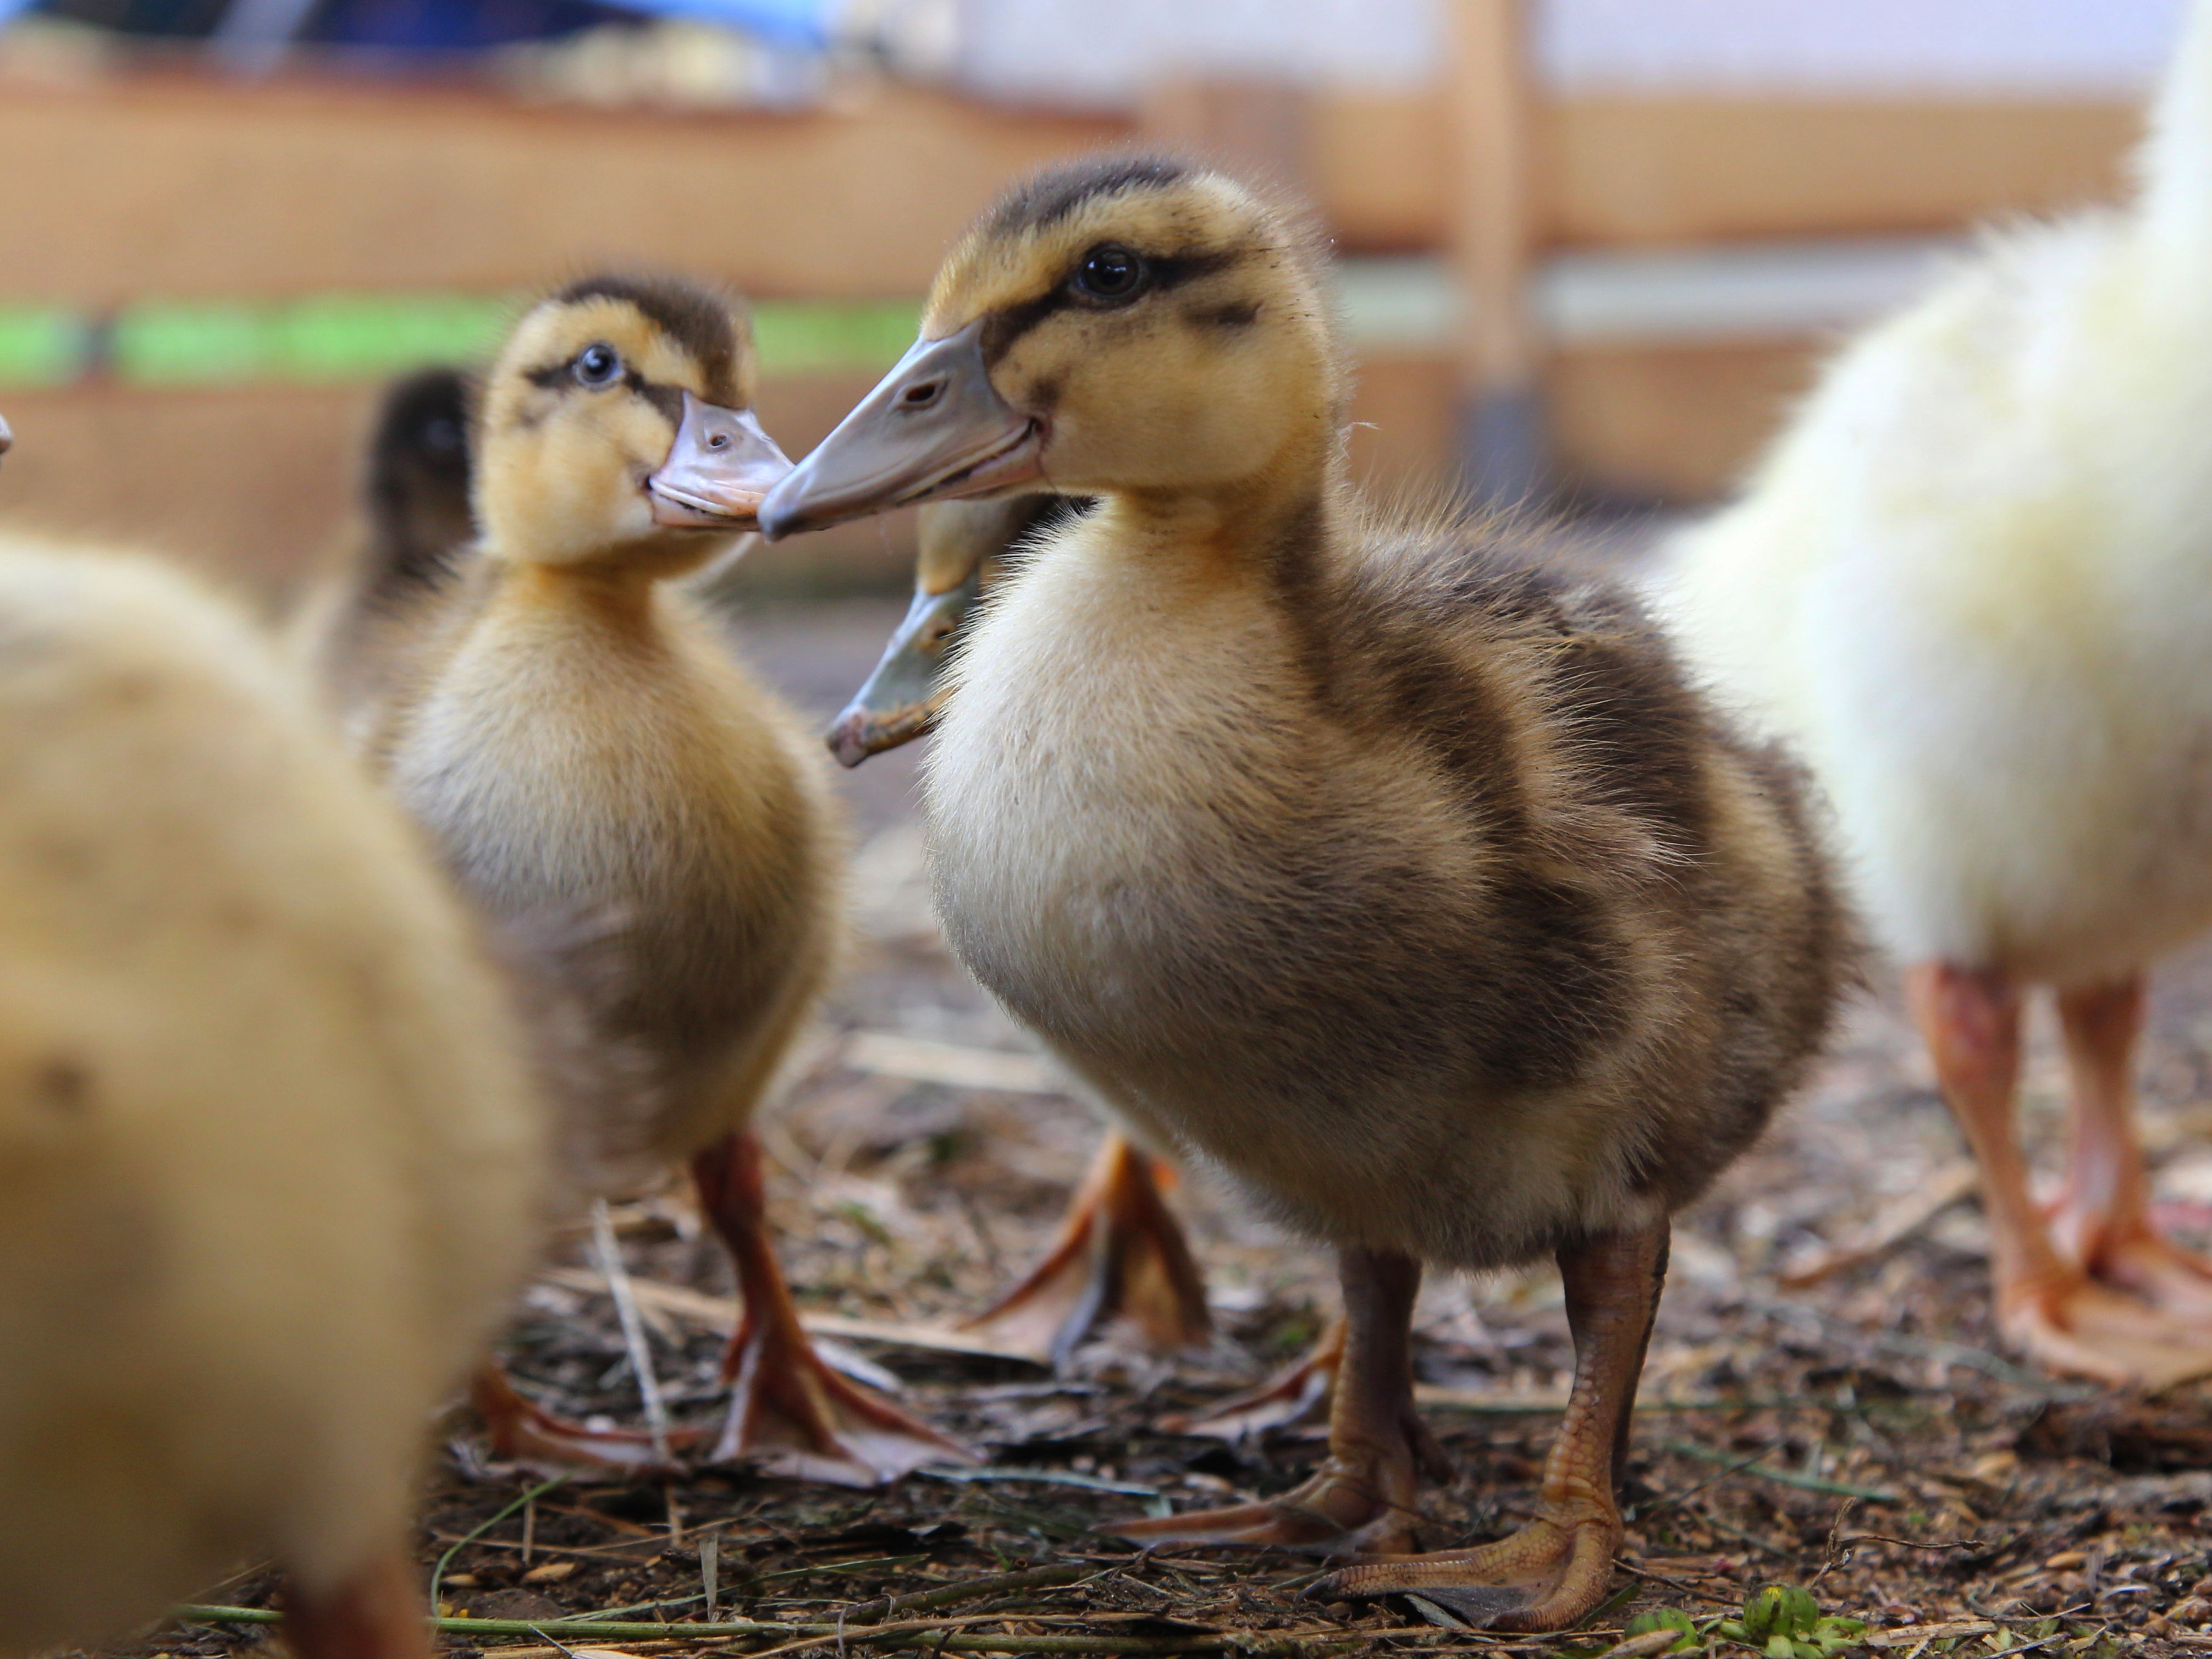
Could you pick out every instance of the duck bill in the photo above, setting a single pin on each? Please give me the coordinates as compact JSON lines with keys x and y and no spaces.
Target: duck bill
{"x":902,"y":696}
{"x":935,"y":428}
{"x":721,"y":468}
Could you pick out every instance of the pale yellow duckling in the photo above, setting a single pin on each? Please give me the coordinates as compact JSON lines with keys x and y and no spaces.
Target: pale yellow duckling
{"x":1972,"y":584}
{"x":271,"y":1151}
{"x":1397,"y":873}
{"x":573,"y":729}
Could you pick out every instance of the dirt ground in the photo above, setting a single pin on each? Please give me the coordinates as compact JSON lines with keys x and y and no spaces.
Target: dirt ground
{"x":1825,"y":1403}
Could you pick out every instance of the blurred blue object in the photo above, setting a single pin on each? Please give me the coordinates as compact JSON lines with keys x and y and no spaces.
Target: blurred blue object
{"x":454,"y":26}
{"x":801,"y":24}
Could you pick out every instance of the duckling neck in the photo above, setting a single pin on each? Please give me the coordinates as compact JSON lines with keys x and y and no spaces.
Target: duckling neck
{"x":620,"y":594}
{"x":1256,"y":529}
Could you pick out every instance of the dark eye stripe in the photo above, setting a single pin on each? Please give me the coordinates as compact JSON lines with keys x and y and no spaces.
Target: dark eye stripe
{"x":1173,"y":271}
{"x":558,"y":377}
{"x":668,"y":399}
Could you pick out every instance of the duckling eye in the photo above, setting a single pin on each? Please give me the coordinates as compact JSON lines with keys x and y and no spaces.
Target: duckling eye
{"x":598,"y":365}
{"x":1111,"y":272}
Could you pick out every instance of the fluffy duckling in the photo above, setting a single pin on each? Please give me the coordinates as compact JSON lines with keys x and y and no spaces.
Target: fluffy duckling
{"x":1398,"y":874}
{"x":1973,"y":582}
{"x":269,"y":1146}
{"x":357,"y":632}
{"x":573,"y":729}
{"x":1120,"y":1256}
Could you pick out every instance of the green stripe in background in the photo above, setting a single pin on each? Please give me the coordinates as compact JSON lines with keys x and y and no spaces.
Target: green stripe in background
{"x":810,"y":337}
{"x":41,"y":347}
{"x":337,"y":338}
{"x":352,"y":337}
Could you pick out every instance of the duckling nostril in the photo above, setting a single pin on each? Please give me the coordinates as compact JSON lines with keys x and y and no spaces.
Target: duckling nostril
{"x":920,"y":397}
{"x":719,"y":441}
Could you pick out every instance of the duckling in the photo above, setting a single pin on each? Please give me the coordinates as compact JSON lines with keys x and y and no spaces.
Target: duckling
{"x":414,"y":528}
{"x":1970,"y":581}
{"x":1386,"y":865}
{"x":1120,"y":1256}
{"x":270,"y":1146}
{"x":573,"y":729}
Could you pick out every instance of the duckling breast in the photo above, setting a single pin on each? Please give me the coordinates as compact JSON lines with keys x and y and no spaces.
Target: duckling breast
{"x":1297,"y":938}
{"x":569,"y":764}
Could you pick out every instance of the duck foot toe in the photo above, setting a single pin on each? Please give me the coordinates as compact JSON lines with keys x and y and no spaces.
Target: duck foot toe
{"x":1343,"y":1510}
{"x":2079,"y":1326}
{"x":1544,"y":1577}
{"x":1120,"y":1259}
{"x":792,"y":1415}
{"x":522,"y":1431}
{"x":1296,"y":1392}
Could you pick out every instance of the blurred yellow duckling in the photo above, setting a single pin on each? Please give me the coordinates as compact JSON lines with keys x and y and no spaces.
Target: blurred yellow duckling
{"x":270,"y":1146}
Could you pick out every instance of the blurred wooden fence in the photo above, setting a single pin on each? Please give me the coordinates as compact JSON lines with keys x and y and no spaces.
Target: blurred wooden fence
{"x":168,"y":187}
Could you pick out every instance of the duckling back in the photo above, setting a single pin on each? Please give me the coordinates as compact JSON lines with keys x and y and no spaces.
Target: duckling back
{"x":269,"y":1148}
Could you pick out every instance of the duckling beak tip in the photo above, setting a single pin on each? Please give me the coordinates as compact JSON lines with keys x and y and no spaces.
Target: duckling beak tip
{"x":934,"y":428}
{"x":851,"y":740}
{"x":718,"y":471}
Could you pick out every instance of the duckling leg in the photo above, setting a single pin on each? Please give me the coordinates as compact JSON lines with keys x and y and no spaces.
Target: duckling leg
{"x":790,"y":1413}
{"x":377,"y":1614}
{"x":2103,"y":1217}
{"x":1557,"y":1567}
{"x":2050,"y":1307}
{"x":1363,"y":1497}
{"x":1283,"y":1398}
{"x":1120,"y":1256}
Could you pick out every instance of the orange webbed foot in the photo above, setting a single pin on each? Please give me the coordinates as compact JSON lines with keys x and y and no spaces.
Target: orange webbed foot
{"x":1350,"y":1507}
{"x":1546,"y":1576}
{"x":522,"y":1430}
{"x":1120,"y":1258}
{"x":791,"y":1414}
{"x":2143,"y":1263}
{"x":2072,"y":1323}
{"x":1292,"y":1393}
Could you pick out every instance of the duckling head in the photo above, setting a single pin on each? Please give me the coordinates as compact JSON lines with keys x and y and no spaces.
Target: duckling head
{"x":580,"y":413}
{"x":1123,"y":325}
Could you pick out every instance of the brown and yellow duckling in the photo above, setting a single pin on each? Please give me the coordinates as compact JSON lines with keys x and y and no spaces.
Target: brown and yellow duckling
{"x":572,"y":729}
{"x":271,"y":1151}
{"x":1120,"y":1258}
{"x":1397,"y":872}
